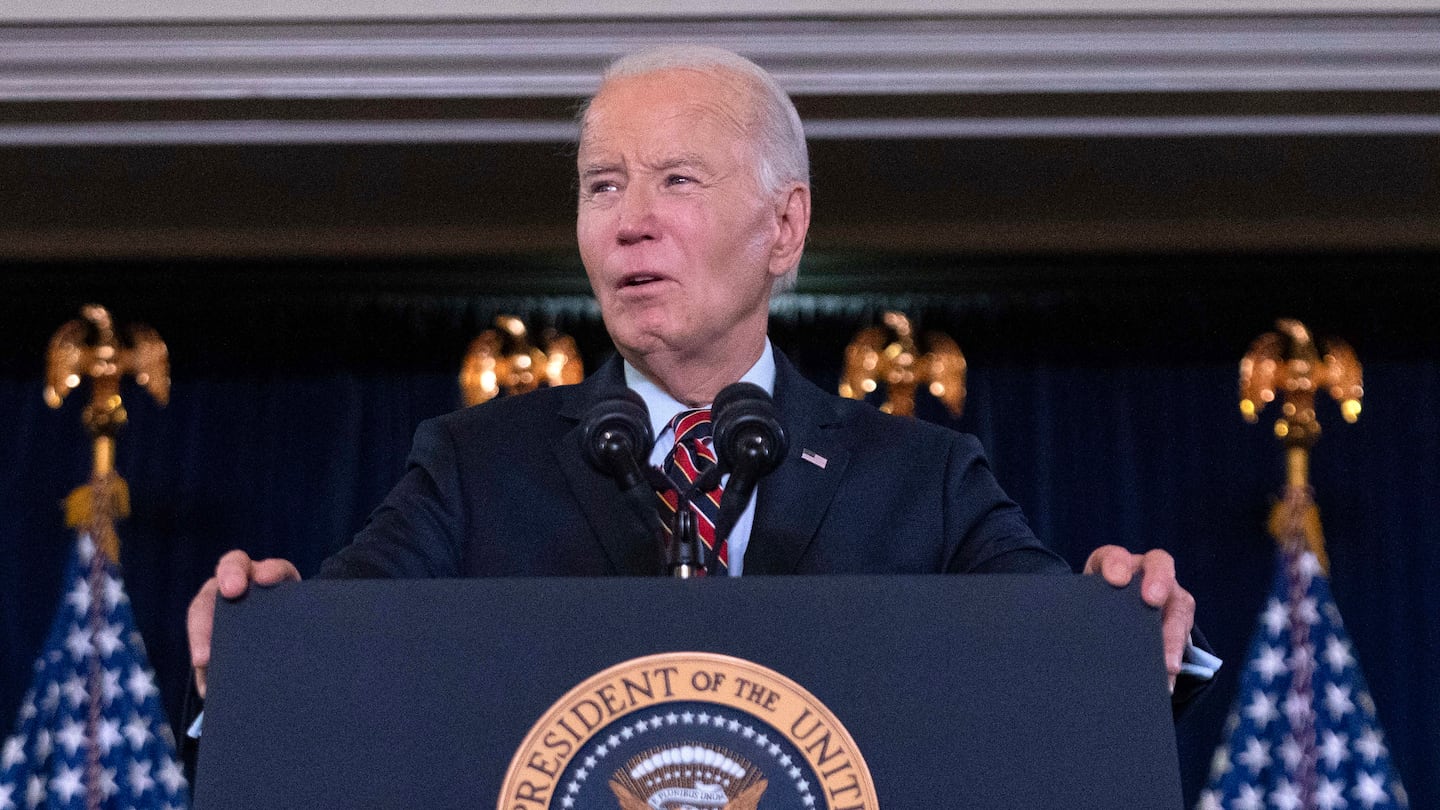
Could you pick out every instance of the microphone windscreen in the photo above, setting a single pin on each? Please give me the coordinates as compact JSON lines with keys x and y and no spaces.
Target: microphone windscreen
{"x":737,"y":392}
{"x":747,"y":429}
{"x":619,"y":417}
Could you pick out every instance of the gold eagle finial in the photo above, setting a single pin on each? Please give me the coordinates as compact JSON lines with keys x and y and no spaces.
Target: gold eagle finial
{"x":1288,"y":365}
{"x":503,"y":359}
{"x":90,"y":347}
{"x":889,"y":355}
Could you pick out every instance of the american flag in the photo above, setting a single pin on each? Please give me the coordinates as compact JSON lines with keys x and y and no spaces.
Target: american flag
{"x":1303,"y":733}
{"x":91,"y":732}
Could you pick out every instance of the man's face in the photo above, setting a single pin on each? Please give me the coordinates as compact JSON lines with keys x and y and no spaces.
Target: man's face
{"x":677,"y":237}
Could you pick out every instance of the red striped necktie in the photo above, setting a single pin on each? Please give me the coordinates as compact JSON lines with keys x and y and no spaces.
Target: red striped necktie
{"x":687,"y":461}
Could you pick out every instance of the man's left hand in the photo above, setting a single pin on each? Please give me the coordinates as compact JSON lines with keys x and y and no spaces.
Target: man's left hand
{"x":1158,"y":588}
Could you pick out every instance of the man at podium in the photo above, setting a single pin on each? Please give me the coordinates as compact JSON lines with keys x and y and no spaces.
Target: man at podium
{"x":693,"y":208}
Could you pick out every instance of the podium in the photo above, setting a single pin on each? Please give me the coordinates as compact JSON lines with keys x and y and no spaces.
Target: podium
{"x":980,"y":692}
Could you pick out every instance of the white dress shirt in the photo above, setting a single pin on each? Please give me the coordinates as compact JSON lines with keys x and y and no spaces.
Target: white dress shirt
{"x":663,"y":408}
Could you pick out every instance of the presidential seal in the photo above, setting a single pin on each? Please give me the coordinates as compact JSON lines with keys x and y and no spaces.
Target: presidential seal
{"x":688,"y":776}
{"x":688,"y":731}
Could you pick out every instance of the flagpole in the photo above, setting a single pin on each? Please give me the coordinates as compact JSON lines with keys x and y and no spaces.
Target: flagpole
{"x":92,"y":731}
{"x":89,"y":348}
{"x":1297,"y":467}
{"x":1288,"y":365}
{"x":1303,"y":733}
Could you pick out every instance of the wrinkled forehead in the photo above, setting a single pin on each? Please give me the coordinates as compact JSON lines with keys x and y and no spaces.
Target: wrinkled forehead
{"x":674,"y":102}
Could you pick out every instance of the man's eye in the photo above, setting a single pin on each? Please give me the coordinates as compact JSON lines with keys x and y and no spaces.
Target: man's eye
{"x":678,"y":180}
{"x":601,"y":186}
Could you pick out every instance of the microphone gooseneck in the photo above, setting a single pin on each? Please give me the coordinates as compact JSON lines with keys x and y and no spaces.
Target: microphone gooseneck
{"x":616,"y":439}
{"x":750,"y":443}
{"x":685,"y":559}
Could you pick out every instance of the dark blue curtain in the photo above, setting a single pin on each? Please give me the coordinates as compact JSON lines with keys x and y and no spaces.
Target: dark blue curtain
{"x":1109,"y":421}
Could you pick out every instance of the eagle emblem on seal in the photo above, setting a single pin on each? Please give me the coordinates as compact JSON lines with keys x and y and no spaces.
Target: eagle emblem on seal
{"x":688,"y":777}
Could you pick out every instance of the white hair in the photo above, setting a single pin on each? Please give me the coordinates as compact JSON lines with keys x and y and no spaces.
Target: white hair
{"x":781,"y":156}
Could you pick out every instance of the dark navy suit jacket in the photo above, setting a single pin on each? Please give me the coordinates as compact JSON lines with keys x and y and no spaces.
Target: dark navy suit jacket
{"x":501,"y":489}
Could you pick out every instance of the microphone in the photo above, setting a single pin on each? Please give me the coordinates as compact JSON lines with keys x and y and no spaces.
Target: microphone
{"x":616,"y":437}
{"x":750,"y":443}
{"x":684,"y":558}
{"x":747,"y":432}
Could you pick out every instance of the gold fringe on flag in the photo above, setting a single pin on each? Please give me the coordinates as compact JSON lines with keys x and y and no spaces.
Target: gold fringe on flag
{"x":95,"y":507}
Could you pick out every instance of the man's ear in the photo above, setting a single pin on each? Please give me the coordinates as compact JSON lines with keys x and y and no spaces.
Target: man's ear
{"x":792,"y":216}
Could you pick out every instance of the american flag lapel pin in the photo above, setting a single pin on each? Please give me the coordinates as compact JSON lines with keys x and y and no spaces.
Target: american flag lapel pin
{"x":814,"y":458}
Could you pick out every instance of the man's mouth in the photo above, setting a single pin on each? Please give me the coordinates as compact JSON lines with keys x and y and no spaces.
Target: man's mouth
{"x":639,"y":279}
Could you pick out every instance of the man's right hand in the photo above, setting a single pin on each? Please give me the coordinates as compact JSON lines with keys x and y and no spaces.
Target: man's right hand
{"x":233,"y":575}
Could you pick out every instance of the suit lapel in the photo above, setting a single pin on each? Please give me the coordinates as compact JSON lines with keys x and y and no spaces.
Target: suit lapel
{"x":795,"y":497}
{"x":613,"y":523}
{"x":792,"y":500}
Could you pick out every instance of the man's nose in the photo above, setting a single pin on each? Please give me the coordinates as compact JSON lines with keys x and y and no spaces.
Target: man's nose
{"x":637,"y":221}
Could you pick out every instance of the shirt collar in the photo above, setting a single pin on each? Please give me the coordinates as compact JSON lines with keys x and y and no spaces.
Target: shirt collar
{"x":663,"y":407}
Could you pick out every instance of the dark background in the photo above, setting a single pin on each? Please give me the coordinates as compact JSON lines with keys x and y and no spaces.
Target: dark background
{"x":318,"y":291}
{"x":1103,"y":388}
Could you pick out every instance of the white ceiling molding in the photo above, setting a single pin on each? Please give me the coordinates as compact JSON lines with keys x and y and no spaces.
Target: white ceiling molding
{"x":1173,"y":54}
{"x":233,"y":133}
{"x":135,"y":11}
{"x":484,"y":131}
